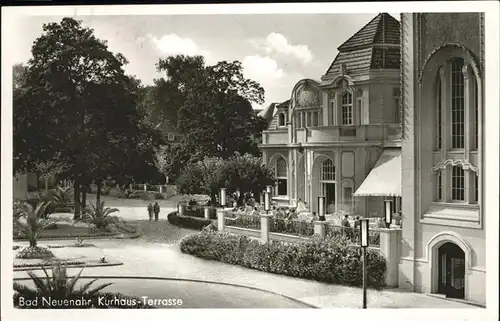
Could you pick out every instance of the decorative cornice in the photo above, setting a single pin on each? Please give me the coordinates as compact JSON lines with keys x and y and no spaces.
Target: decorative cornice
{"x":456,"y":162}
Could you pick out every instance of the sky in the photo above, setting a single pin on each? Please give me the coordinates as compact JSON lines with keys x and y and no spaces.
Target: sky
{"x":276,"y":50}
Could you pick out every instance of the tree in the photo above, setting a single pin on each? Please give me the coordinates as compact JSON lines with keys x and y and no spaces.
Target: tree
{"x":34,"y":222}
{"x":209,"y":105}
{"x":82,"y":107}
{"x":247,"y":174}
{"x":203,"y":177}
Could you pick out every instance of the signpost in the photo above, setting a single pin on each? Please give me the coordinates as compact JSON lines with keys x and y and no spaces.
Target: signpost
{"x":364,"y":227}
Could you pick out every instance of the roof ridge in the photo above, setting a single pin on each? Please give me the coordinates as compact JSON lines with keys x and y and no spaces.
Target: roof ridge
{"x":339,"y":48}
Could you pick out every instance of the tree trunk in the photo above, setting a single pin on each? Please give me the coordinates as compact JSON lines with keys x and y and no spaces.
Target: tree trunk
{"x":33,"y":243}
{"x":46,"y":184}
{"x":84,"y":198}
{"x":98,"y":194}
{"x":76,"y":189}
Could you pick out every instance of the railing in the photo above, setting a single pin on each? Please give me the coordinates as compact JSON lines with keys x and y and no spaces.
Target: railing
{"x":352,"y":234}
{"x":373,"y":132}
{"x":243,"y":221}
{"x":293,"y":227}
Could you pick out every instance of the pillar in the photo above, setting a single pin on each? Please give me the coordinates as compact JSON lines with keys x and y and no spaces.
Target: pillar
{"x":390,"y":240}
{"x":264,"y":227}
{"x":319,"y":228}
{"x":161,"y":189}
{"x":220,"y":221}
{"x":206,"y":212}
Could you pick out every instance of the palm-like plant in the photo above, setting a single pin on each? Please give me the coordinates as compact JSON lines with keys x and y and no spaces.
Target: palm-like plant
{"x":62,"y":197}
{"x":57,"y":286}
{"x":100,"y":215}
{"x":35,"y":221}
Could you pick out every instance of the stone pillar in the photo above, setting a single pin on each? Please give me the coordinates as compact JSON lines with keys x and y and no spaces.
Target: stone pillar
{"x":264,"y":227}
{"x":220,"y":220}
{"x":161,"y":189}
{"x":145,"y":188}
{"x":319,"y":228}
{"x":206,"y":212}
{"x":264,"y":157}
{"x":182,"y":208}
{"x":390,"y":241}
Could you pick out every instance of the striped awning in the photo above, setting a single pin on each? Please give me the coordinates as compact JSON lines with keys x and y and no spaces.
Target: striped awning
{"x":385,"y":178}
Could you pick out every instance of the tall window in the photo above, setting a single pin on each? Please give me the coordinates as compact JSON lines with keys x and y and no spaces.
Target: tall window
{"x":457,"y":183}
{"x":476,"y":188}
{"x":439,"y":125}
{"x":281,"y":176}
{"x":476,"y":117}
{"x":457,"y":104}
{"x":439,"y":186}
{"x":308,"y":119}
{"x":331,"y":111}
{"x":328,"y":170}
{"x":281,"y":120}
{"x":347,"y":108}
{"x":315,"y":120}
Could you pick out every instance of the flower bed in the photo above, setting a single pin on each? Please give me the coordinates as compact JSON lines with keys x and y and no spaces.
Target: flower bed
{"x":293,"y":227}
{"x":188,"y":221}
{"x":36,"y":252}
{"x":327,"y":260}
{"x":198,"y":211}
{"x":47,"y":263}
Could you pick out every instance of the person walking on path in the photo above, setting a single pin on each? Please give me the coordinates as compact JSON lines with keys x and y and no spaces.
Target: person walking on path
{"x":156,"y":209}
{"x":150,"y":212}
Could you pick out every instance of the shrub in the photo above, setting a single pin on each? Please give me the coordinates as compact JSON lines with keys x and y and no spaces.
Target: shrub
{"x":34,"y":222}
{"x":99,"y":216}
{"x":328,"y":260}
{"x":187,"y":222}
{"x":197,"y":211}
{"x":158,"y":196}
{"x":34,"y":252}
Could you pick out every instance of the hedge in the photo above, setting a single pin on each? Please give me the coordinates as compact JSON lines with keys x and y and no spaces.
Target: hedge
{"x":326,"y":260}
{"x":187,"y":221}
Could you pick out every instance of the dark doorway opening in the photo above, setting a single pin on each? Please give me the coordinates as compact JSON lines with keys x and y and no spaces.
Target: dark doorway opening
{"x":451,"y":279}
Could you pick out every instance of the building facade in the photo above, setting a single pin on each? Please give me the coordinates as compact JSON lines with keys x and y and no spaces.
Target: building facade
{"x":332,"y":133}
{"x":443,"y":249}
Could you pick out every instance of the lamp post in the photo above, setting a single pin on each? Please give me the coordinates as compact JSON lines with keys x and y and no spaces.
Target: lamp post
{"x":364,"y":229}
{"x":223,"y":197}
{"x":267,"y":203}
{"x":389,"y":208}
{"x":321,"y":208}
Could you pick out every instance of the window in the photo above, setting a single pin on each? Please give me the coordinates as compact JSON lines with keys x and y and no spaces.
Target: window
{"x":308,"y":119}
{"x":347,"y":108}
{"x":476,"y":117}
{"x":457,"y":183}
{"x":315,"y":119}
{"x":281,"y":120}
{"x":476,"y":189}
{"x":439,"y":124}
{"x":328,"y":170}
{"x":439,"y":186}
{"x":281,"y":175}
{"x":331,"y":113}
{"x":457,"y":104}
{"x":170,"y":136}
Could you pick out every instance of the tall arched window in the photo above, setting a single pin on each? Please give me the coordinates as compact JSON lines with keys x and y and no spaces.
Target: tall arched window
{"x":281,"y":176}
{"x":457,"y":183}
{"x":347,"y":118}
{"x":457,"y":104}
{"x":439,"y":124}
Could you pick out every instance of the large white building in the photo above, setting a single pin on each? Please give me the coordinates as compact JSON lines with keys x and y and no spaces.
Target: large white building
{"x":336,"y":136}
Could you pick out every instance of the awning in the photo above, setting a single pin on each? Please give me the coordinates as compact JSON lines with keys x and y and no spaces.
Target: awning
{"x":385,"y":178}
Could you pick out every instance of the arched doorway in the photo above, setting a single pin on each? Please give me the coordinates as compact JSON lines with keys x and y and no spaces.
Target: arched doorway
{"x":451,"y":267}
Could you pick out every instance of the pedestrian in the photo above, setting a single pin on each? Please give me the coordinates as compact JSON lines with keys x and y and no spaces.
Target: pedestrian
{"x":150,"y":212}
{"x":156,"y":209}
{"x":346,"y":226}
{"x":356,"y":222}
